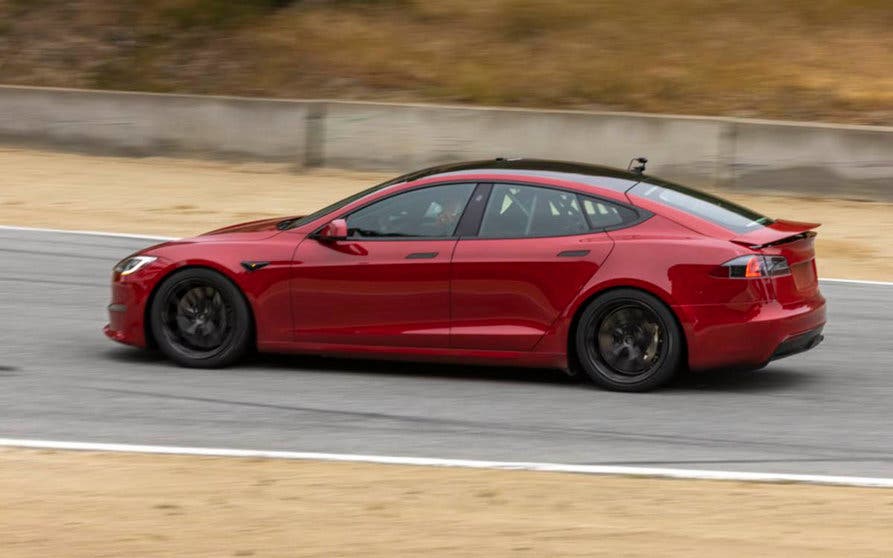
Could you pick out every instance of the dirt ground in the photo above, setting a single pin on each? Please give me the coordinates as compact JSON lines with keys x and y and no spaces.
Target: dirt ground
{"x":93,"y":504}
{"x":178,"y":197}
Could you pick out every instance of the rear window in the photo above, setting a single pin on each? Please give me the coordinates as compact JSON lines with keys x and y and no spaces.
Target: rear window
{"x":708,"y":207}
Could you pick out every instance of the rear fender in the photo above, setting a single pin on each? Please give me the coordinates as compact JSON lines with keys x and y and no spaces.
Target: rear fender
{"x":558,"y":336}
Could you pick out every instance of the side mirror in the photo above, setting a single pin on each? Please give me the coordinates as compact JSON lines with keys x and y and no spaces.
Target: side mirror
{"x":336,"y":230}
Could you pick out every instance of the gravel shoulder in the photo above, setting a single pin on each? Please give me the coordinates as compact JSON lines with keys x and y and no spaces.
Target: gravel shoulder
{"x":95,"y":504}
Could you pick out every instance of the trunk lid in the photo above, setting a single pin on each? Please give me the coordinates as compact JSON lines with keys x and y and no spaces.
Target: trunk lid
{"x":777,"y":232}
{"x":796,"y":242}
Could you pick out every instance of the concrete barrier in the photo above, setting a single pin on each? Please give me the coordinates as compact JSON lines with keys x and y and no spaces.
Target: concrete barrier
{"x":850,"y":161}
{"x":373,"y":135}
{"x":154,"y":124}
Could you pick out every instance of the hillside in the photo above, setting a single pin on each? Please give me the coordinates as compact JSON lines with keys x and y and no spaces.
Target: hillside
{"x":818,"y":60}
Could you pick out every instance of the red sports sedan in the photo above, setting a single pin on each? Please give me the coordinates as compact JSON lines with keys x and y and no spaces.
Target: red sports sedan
{"x":617,"y":274}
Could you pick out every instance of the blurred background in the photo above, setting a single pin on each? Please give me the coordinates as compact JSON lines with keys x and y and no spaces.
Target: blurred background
{"x":827,"y":60}
{"x":764,"y":101}
{"x":785,"y":106}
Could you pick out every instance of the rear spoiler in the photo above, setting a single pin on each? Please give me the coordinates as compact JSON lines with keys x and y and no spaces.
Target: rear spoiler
{"x":777,"y":232}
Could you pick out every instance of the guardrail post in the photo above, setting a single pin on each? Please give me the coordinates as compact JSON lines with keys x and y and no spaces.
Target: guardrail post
{"x":725,"y":164}
{"x":314,"y":141}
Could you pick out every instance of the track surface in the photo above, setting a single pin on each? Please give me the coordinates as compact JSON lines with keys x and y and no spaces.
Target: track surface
{"x":828,"y":411}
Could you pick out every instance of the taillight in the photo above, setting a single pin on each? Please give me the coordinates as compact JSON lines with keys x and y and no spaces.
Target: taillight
{"x":748,"y":267}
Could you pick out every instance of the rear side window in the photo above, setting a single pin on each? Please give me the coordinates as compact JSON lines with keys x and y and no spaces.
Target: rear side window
{"x":526,"y":211}
{"x":708,"y":207}
{"x":606,"y":215}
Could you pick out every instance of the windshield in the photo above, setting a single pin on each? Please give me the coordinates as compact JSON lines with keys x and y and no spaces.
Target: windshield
{"x":292,"y":223}
{"x":700,"y":204}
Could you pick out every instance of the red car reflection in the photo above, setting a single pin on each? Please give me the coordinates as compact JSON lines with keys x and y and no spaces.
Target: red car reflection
{"x":615,"y":274}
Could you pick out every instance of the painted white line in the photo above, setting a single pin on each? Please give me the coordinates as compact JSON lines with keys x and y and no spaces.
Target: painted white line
{"x":85,"y":233}
{"x":463,"y":463}
{"x":162,"y":238}
{"x":856,"y":281}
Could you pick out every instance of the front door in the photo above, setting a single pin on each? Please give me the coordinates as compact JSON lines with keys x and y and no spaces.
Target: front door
{"x":388,"y":283}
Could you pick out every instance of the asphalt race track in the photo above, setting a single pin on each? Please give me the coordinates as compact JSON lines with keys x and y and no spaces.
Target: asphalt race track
{"x":829,"y":411}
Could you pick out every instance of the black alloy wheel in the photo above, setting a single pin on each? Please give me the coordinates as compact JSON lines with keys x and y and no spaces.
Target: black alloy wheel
{"x":628,"y":340}
{"x":200,"y":319}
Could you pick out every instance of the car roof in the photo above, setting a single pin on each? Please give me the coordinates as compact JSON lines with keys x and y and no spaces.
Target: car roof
{"x":613,"y":182}
{"x":593,"y":175}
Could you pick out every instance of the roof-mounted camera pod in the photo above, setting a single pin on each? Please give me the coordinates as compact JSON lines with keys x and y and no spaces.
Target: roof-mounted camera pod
{"x":637,"y":165}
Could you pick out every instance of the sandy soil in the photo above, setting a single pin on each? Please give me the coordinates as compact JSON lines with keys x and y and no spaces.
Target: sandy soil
{"x":183,"y":197}
{"x":93,"y":504}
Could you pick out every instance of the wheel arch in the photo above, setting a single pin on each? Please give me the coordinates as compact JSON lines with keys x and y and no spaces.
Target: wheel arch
{"x":584,"y":302}
{"x":147,"y":311}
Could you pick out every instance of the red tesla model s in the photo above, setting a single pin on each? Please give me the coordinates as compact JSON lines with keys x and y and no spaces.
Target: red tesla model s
{"x":625,"y":277}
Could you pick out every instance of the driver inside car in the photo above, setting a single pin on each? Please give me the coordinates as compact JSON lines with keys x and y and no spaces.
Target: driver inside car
{"x":449,"y":215}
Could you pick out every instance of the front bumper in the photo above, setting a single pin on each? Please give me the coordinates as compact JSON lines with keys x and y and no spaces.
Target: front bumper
{"x":127,"y":311}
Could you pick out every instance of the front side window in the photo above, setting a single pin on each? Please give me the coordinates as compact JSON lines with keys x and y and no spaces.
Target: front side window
{"x":527,"y":211}
{"x":427,"y":212}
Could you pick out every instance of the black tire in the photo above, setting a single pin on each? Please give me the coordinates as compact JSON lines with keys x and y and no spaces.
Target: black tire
{"x":200,"y":319}
{"x":628,"y":340}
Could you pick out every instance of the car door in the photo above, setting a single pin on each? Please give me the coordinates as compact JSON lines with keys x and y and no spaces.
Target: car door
{"x":534,"y":250}
{"x":387,"y":283}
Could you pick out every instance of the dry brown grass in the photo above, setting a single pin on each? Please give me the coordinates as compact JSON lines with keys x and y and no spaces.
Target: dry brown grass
{"x":794,"y":59}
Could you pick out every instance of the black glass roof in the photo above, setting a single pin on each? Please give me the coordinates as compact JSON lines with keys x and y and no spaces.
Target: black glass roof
{"x":595,"y":175}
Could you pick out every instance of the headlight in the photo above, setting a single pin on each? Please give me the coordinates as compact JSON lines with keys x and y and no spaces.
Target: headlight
{"x":133,"y":264}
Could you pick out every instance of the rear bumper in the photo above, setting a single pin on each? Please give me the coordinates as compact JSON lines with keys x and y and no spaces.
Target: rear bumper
{"x":798,"y":344}
{"x":750,"y":335}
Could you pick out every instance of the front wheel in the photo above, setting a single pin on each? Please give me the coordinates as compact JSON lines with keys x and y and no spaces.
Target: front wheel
{"x":200,"y":319}
{"x":628,"y":340}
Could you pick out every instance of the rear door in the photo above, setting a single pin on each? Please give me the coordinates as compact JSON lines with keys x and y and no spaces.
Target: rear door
{"x":532,"y":251}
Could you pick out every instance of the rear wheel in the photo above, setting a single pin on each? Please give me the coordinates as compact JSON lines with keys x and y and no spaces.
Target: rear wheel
{"x":200,"y":319}
{"x":628,"y":340}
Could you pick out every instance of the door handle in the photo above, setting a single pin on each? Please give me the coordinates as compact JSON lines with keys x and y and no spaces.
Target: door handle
{"x":572,"y":253}
{"x":421,"y":255}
